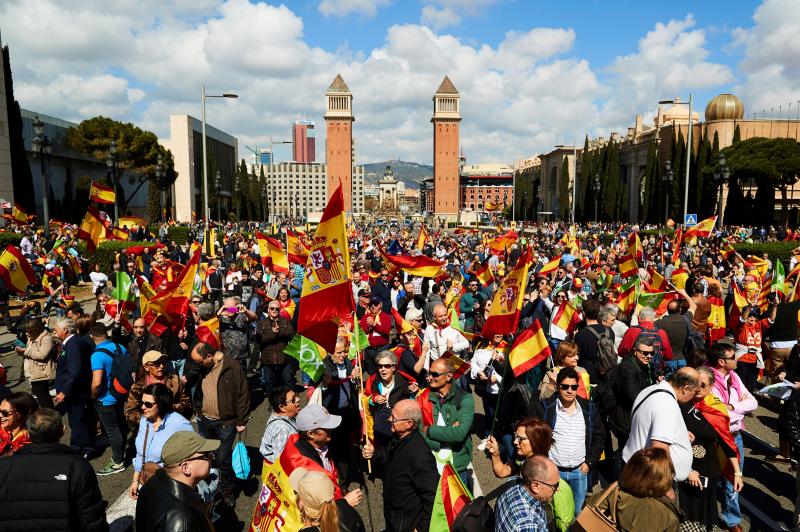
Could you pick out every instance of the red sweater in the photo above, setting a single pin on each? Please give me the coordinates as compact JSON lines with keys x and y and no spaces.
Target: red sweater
{"x":630,"y":336}
{"x":378,"y":332}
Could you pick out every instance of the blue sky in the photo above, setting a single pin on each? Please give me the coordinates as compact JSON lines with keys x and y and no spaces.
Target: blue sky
{"x":528,"y":71}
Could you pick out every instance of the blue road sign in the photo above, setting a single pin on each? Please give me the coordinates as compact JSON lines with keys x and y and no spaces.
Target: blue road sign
{"x":690,"y":220}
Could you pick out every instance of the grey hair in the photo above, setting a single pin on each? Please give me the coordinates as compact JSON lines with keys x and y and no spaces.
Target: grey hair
{"x":205,"y":311}
{"x":613,"y":308}
{"x":604,"y":314}
{"x":383,"y":355}
{"x":410,"y":410}
{"x":67,"y":324}
{"x":647,"y":314}
{"x":707,"y":371}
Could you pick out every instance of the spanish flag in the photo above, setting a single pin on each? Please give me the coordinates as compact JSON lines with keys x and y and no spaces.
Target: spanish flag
{"x":423,"y":237}
{"x":208,"y":332}
{"x":529,"y":349}
{"x":499,"y":243}
{"x":101,"y":193}
{"x":657,"y":281}
{"x":484,"y":275}
{"x":627,"y":266}
{"x":272,"y":253}
{"x":550,"y":267}
{"x":327,"y":298}
{"x":460,"y":366}
{"x":297,"y":250}
{"x":679,"y":278}
{"x":701,"y":230}
{"x":716,"y":413}
{"x":15,"y":270}
{"x":169,"y":306}
{"x":491,"y":207}
{"x":507,"y":301}
{"x":120,"y":233}
{"x":451,"y":497}
{"x":626,"y":301}
{"x":19,"y":215}
{"x":635,"y":246}
{"x":131,"y":221}
{"x":92,"y":229}
{"x":676,"y":246}
{"x":567,"y":317}
{"x":716,"y":320}
{"x":419,"y":265}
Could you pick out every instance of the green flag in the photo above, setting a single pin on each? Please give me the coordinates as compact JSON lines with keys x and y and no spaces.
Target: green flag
{"x":359,"y":341}
{"x":122,"y":287}
{"x":650,"y":299}
{"x":778,"y":278}
{"x":309,"y":354}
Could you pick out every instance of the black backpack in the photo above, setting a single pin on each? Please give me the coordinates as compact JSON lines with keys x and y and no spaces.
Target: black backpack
{"x":477,"y":515}
{"x":606,"y":354}
{"x":122,"y":373}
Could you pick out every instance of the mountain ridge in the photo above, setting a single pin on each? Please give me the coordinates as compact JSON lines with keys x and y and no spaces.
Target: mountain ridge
{"x":410,"y":173}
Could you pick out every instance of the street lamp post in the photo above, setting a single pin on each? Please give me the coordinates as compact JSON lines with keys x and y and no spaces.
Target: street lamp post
{"x":667,"y":179}
{"x":237,"y":189}
{"x":721,"y":175}
{"x":596,"y":188}
{"x":218,"y":189}
{"x":264,"y":202}
{"x":688,"y":154}
{"x":203,"y":97}
{"x":42,"y":147}
{"x":160,"y":174}
{"x":111,"y":162}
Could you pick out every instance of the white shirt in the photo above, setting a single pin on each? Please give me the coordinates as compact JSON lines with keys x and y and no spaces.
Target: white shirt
{"x":97,"y":278}
{"x":436,"y":340}
{"x":480,"y":360}
{"x":569,"y":437}
{"x":659,"y":418}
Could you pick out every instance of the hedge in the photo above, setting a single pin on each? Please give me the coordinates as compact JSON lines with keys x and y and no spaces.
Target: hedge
{"x":107,"y":252}
{"x":9,"y":238}
{"x":777,"y":250}
{"x":178,"y":233}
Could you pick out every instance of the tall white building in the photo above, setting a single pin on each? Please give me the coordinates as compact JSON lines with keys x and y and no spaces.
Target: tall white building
{"x":296,"y":189}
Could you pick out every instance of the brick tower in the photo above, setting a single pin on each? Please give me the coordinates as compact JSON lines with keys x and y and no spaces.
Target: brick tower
{"x":339,"y":140}
{"x":446,"y":119}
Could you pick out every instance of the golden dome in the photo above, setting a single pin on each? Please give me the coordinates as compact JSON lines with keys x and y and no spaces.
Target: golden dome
{"x":724,"y":107}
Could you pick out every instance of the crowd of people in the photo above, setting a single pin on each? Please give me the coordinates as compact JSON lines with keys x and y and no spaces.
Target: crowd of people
{"x":641,"y":393}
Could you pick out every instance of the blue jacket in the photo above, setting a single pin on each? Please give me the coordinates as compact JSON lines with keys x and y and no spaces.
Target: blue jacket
{"x":595,"y":433}
{"x":74,"y":368}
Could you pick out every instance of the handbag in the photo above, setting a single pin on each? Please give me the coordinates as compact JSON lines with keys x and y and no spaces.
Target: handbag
{"x":593,"y":519}
{"x":241,"y":460}
{"x":148,"y":468}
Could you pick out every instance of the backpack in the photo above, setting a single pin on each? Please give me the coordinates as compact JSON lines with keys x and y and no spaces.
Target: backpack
{"x":604,"y":393}
{"x":606,"y":354}
{"x":657,"y":362}
{"x":477,"y":515}
{"x":122,"y":373}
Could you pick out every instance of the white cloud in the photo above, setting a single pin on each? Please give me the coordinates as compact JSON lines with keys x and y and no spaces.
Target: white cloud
{"x":342,"y":8}
{"x":440,"y":14}
{"x":771,"y":57}
{"x":438,"y":18}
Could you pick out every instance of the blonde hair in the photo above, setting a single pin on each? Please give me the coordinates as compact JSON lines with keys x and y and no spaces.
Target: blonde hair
{"x":328,"y":520}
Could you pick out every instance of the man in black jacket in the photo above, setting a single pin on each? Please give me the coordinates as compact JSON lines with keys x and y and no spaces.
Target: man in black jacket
{"x":169,"y":500}
{"x":73,"y":384}
{"x":47,"y":485}
{"x":411,"y":478}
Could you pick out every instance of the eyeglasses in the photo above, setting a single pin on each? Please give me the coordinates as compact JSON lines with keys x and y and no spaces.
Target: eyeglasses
{"x":386,"y":366}
{"x":148,"y":404}
{"x":7,"y":413}
{"x":393,"y":421}
{"x":573,"y":387}
{"x":294,"y":399}
{"x":553,"y":487}
{"x":436,"y":374}
{"x":273,"y":308}
{"x":519,"y":438}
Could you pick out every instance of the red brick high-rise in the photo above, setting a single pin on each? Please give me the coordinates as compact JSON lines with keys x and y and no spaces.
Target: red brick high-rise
{"x":446,"y":161}
{"x":303,"y":142}
{"x":339,"y":140}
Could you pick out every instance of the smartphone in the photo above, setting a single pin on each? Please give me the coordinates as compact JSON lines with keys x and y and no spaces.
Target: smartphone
{"x":704,"y":481}
{"x":19,"y":343}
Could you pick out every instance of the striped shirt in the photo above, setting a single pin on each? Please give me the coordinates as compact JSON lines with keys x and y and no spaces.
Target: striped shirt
{"x":277,"y":431}
{"x":569,"y":437}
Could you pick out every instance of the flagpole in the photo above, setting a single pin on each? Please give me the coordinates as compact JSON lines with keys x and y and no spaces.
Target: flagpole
{"x":361,"y":403}
{"x":499,"y":395}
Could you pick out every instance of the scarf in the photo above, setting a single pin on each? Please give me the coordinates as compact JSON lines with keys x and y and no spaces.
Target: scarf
{"x":723,"y":385}
{"x":716,"y":413}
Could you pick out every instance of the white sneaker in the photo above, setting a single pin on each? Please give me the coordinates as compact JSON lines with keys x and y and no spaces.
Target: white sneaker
{"x":482,"y":444}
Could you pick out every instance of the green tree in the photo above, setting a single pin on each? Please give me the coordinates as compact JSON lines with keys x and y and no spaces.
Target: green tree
{"x":737,"y":135}
{"x":773,"y":163}
{"x":563,"y":190}
{"x":153,"y":204}
{"x":137,"y":153}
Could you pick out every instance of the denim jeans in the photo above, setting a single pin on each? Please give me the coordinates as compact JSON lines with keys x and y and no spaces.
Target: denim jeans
{"x":177,"y":366}
{"x":675,"y":365}
{"x":113,"y":419}
{"x":273,"y":375}
{"x":730,"y":512}
{"x":466,"y":478}
{"x":578,"y":482}
{"x":213,"y":429}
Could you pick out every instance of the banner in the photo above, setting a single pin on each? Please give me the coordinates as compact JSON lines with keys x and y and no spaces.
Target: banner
{"x":276,"y":509}
{"x":507,"y":301}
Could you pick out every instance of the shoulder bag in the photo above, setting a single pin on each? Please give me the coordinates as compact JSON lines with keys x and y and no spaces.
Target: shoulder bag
{"x":593,"y":519}
{"x":148,"y":468}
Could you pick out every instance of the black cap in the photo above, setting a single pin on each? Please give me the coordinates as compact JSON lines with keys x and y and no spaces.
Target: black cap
{"x":375,"y":301}
{"x":364,"y":292}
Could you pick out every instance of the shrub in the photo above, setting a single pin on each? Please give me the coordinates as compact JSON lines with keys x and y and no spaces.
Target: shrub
{"x":107,"y":253}
{"x":777,"y":250}
{"x":9,"y":238}
{"x":178,"y":233}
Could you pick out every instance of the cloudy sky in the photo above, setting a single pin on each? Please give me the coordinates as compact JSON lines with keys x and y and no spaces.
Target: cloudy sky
{"x":531,"y":73}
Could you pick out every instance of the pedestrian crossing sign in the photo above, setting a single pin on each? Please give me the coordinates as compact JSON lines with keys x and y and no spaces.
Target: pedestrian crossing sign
{"x":690,"y":220}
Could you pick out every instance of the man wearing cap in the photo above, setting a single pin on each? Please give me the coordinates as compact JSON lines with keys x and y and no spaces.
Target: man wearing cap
{"x":156,"y":371}
{"x":309,"y":448}
{"x":169,"y":500}
{"x":377,"y":325}
{"x":411,"y":478}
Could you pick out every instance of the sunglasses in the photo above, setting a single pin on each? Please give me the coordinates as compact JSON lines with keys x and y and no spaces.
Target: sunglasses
{"x":274,"y":308}
{"x":7,"y":413}
{"x":573,"y":387}
{"x":156,"y":364}
{"x":148,"y":404}
{"x":645,"y":353}
{"x":386,"y":366}
{"x":205,"y":456}
{"x":436,"y":374}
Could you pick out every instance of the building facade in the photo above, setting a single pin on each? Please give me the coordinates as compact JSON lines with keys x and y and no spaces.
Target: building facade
{"x":486,"y":187}
{"x":186,"y":145}
{"x":303,"y":142}
{"x":296,"y":189}
{"x":339,"y":155}
{"x":446,"y":146}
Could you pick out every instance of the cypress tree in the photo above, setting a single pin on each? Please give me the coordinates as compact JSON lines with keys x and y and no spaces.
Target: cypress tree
{"x":737,"y":135}
{"x":563,"y":190}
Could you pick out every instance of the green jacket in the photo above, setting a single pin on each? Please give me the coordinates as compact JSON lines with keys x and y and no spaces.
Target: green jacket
{"x":457,"y":406}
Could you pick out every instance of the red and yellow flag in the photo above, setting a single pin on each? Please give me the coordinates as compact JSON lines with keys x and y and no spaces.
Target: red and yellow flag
{"x":701,"y":230}
{"x":529,"y":349}
{"x":676,"y":246}
{"x":627,"y":266}
{"x":499,"y":243}
{"x":208,"y":332}
{"x":419,"y":265}
{"x":327,"y":298}
{"x":451,"y":497}
{"x":626,"y":301}
{"x":460,"y":366}
{"x":635,"y":246}
{"x":15,"y":270}
{"x":170,"y":305}
{"x":567,"y":317}
{"x":101,"y":193}
{"x":272,"y":254}
{"x":550,"y":267}
{"x":716,"y":320}
{"x":131,"y":221}
{"x":679,"y":278}
{"x":296,"y":249}
{"x":18,"y":215}
{"x":657,"y":281}
{"x":484,"y":275}
{"x":92,"y":229}
{"x":716,"y":413}
{"x":507,"y":301}
{"x":423,"y":237}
